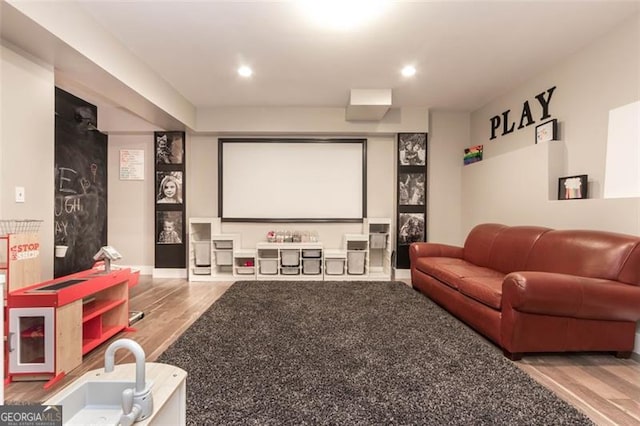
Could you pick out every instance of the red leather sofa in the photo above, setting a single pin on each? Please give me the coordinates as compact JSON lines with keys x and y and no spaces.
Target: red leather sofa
{"x":534,"y":289}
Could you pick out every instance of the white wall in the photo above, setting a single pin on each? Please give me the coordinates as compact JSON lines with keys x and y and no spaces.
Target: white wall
{"x":130,"y":218}
{"x":516,"y":183}
{"x":448,"y":137}
{"x":27,"y":144}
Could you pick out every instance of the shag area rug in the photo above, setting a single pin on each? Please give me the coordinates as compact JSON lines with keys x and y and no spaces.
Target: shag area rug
{"x":349,"y":353}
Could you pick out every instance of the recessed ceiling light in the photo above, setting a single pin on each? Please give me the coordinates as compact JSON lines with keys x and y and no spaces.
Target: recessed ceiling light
{"x":409,"y":71}
{"x":245,"y":71}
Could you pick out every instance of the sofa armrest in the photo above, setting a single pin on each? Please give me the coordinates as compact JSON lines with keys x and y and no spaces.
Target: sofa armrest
{"x":548,"y":293}
{"x":417,"y":250}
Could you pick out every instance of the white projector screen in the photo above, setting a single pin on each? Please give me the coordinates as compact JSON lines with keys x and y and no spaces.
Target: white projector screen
{"x":287,"y":180}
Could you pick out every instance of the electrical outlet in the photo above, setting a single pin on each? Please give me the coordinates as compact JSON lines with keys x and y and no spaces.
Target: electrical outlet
{"x":19,"y":194}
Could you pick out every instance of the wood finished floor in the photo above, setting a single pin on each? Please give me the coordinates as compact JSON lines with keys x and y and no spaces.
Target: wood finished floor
{"x":605,"y":388}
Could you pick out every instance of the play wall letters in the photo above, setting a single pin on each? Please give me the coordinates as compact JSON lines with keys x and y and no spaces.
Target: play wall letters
{"x":508,"y":123}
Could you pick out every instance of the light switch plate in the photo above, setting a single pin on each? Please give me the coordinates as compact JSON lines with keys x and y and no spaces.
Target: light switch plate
{"x":19,"y":194}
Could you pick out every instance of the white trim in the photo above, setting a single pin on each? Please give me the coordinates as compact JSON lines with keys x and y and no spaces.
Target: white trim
{"x":402,"y":273}
{"x":636,"y":348}
{"x":169,"y":273}
{"x":144,"y":269}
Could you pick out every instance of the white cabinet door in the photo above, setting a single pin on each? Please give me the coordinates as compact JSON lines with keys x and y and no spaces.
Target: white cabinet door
{"x":31,"y":340}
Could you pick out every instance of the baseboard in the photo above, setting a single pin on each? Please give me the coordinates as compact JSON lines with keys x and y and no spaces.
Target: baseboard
{"x":144,"y":269}
{"x":169,"y":273}
{"x":636,"y":350}
{"x":402,"y":273}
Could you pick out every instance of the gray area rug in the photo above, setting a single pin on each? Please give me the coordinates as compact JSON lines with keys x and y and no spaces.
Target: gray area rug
{"x":349,"y":353}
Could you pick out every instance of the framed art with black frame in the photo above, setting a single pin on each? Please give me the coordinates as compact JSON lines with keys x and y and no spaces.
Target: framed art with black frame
{"x":573,"y":187}
{"x":170,"y":200}
{"x":412,"y":194}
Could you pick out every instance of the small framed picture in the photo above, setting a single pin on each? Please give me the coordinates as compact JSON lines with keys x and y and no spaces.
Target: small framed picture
{"x":169,"y":147}
{"x":547,"y":131}
{"x":412,"y":149}
{"x":573,"y":187}
{"x":411,"y":190}
{"x":169,"y":187}
{"x":169,"y":227}
{"x":412,"y":228}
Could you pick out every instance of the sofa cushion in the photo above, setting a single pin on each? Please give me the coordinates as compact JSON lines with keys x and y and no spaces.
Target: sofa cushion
{"x":512,"y":246}
{"x":450,"y":271}
{"x":593,"y":254}
{"x":486,"y":290}
{"x":479,"y":242}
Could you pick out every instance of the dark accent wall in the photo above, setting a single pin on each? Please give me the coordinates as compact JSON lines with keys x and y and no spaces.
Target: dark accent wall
{"x":80,"y":212}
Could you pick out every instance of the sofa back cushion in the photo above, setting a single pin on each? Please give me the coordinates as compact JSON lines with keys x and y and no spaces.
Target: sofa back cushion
{"x":630,"y":272}
{"x":512,"y":247}
{"x":595,"y":254}
{"x":479,"y":243}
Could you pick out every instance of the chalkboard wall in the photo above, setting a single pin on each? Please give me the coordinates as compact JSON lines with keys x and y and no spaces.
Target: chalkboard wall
{"x":80,"y":213}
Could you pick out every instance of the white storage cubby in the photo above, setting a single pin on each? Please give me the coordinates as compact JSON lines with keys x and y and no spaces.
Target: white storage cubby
{"x":379,"y":231}
{"x":301,"y":261}
{"x":211,"y":253}
{"x":334,"y":263}
{"x":244,"y":263}
{"x":357,"y":249}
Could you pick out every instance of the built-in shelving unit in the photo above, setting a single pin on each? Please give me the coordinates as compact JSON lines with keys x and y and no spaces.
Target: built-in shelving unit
{"x":301,"y":261}
{"x":380,"y":253}
{"x":215,"y":255}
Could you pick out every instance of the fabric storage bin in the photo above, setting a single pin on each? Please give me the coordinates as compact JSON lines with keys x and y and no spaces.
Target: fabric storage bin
{"x":224,"y":258}
{"x":268,"y":266}
{"x":378,"y":241}
{"x":311,"y":253}
{"x":355,"y":263}
{"x":289,"y":257}
{"x":202,"y":253}
{"x":224,"y":244}
{"x":334,"y":266}
{"x":290,"y":270}
{"x":311,"y":266}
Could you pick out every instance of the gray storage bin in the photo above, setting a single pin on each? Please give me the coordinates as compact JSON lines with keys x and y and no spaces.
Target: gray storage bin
{"x":290,"y":270}
{"x":245,"y":270}
{"x":268,"y":266}
{"x":311,"y":266}
{"x":378,"y":241}
{"x":224,"y":258}
{"x":334,"y":266}
{"x":202,"y":253}
{"x":355,"y":263}
{"x":223,"y":244}
{"x":290,"y":257}
{"x":311,"y":253}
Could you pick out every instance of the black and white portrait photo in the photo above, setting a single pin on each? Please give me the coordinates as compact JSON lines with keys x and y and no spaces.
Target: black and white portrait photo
{"x":411,"y":189}
{"x":411,"y":229}
{"x":169,"y":187}
{"x":412,"y":149}
{"x":169,"y":147}
{"x":169,"y":227}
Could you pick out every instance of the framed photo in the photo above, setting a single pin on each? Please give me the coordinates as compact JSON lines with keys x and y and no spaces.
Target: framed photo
{"x":411,"y":189}
{"x":169,"y":187}
{"x":412,"y":149}
{"x":169,"y":227}
{"x":169,"y":147}
{"x":473,"y":154}
{"x":573,"y":187}
{"x":411,"y":229}
{"x":547,"y":131}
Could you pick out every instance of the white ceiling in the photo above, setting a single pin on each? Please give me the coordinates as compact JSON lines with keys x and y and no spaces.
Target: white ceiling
{"x":466,"y":52}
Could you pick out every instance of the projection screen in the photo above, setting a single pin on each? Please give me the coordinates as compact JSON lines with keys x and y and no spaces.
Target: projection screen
{"x":292,"y":180}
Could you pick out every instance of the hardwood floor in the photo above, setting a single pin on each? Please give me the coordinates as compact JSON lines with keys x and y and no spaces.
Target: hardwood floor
{"x":605,"y":388}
